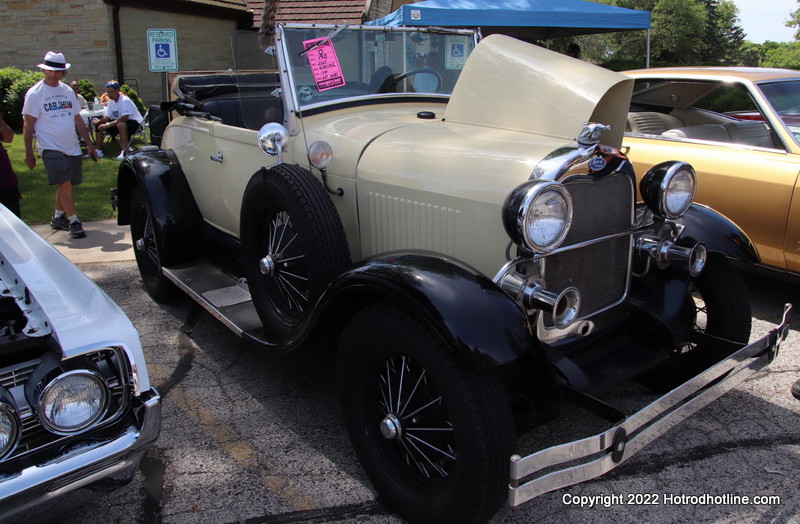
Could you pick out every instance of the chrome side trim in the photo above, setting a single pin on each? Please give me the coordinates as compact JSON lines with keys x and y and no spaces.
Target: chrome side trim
{"x":603,"y":452}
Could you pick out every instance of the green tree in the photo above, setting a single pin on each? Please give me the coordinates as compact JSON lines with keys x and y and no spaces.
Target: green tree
{"x":724,"y":37}
{"x":781,"y":54}
{"x":794,"y":21}
{"x":678,"y":29}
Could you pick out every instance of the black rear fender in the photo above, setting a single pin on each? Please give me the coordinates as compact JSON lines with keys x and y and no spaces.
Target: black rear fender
{"x":176,"y":217}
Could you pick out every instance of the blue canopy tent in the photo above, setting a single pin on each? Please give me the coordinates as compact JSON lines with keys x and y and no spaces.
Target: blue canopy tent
{"x":524,"y":19}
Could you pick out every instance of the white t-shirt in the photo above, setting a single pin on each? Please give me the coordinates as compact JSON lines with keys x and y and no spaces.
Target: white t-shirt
{"x":123,"y":106}
{"x":54,"y":109}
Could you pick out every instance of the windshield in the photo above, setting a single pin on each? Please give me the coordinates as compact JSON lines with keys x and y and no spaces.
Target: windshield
{"x":358,"y":61}
{"x":784,"y":97}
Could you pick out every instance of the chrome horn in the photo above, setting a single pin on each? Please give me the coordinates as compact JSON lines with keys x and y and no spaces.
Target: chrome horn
{"x":563,"y":307}
{"x":665,"y":252}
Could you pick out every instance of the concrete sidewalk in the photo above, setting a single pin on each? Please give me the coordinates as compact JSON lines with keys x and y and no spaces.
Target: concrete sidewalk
{"x":105,"y":241}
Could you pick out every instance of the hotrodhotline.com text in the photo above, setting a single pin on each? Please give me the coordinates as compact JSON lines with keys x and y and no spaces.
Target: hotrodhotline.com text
{"x":668,"y":499}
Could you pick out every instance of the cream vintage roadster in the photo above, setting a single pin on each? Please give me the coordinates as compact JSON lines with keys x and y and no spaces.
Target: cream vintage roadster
{"x":456,"y":221}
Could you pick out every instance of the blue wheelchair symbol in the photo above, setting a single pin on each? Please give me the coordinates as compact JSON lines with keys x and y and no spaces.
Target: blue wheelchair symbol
{"x":162,"y":50}
{"x":457,"y":50}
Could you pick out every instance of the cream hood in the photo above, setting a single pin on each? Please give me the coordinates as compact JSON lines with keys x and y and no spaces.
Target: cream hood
{"x":510,"y":84}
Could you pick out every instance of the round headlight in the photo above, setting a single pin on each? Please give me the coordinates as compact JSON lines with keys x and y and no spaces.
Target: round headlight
{"x":538,"y":215}
{"x":668,"y":189}
{"x":9,"y":429}
{"x":72,"y":401}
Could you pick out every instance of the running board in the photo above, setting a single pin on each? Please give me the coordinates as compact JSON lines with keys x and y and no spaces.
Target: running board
{"x":227,"y":299}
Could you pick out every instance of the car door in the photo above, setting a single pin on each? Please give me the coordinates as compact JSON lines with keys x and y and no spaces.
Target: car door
{"x":754,"y":187}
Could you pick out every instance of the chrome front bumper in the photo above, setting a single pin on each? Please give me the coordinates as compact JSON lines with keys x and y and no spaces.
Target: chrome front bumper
{"x":114,"y":459}
{"x":575,"y":462}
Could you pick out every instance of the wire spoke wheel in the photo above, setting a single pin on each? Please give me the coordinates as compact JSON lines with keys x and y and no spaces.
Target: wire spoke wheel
{"x":148,"y":242}
{"x":284,"y":266}
{"x":432,"y":428}
{"x":293,"y":246}
{"x":414,"y":421}
{"x":715,"y":307}
{"x":147,"y":251}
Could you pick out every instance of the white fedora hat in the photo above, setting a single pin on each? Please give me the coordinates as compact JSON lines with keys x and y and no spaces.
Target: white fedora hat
{"x":54,"y":62}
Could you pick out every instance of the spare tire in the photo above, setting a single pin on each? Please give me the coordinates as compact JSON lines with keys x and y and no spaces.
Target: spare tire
{"x":293,"y":246}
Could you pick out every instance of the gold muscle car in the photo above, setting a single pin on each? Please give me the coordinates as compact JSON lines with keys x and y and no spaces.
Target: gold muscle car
{"x":739,"y":128}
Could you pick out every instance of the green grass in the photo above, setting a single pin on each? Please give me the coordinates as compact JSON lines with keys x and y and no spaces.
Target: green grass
{"x":92,"y":201}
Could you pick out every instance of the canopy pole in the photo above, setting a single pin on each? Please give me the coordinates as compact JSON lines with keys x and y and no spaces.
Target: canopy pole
{"x":647,"y":60}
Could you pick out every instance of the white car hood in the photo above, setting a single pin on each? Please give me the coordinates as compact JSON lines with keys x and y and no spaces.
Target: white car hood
{"x":62,"y":300}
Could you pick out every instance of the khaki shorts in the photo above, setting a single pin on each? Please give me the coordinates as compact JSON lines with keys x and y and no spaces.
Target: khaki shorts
{"x":62,"y":168}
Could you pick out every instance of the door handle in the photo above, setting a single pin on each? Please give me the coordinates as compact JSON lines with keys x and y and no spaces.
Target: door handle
{"x":217,"y":157}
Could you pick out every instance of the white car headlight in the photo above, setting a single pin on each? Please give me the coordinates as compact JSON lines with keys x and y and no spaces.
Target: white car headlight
{"x":9,"y":429}
{"x":668,"y":188}
{"x":538,"y":215}
{"x":72,"y":401}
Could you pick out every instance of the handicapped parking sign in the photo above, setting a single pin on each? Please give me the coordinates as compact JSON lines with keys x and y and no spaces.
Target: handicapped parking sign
{"x":162,"y":49}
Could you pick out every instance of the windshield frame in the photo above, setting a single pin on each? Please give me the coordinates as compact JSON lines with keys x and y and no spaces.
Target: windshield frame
{"x":792,"y":129}
{"x":288,"y":83}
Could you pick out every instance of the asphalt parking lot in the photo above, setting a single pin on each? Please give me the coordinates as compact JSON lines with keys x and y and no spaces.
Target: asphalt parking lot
{"x":252,"y":437}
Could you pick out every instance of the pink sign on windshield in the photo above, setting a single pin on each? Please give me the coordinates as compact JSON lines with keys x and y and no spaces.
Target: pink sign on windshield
{"x":324,"y":65}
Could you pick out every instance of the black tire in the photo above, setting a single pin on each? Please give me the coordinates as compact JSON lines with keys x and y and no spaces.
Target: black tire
{"x":147,"y":250}
{"x":290,"y":228}
{"x":716,"y":303}
{"x":384,"y":354}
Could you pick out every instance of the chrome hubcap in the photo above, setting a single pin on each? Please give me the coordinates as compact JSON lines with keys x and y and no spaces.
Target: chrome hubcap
{"x":391,"y":428}
{"x":267,"y":266}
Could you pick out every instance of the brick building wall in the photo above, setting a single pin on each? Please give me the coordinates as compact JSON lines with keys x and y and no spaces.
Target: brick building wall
{"x":84,"y":32}
{"x":203,"y":43}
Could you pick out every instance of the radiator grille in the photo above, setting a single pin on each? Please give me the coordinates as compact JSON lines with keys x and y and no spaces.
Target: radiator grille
{"x":599,"y":271}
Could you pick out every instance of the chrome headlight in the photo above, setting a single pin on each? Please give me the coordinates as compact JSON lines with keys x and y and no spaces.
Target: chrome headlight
{"x":538,"y":214}
{"x":668,"y":188}
{"x":9,"y":428}
{"x":72,"y":401}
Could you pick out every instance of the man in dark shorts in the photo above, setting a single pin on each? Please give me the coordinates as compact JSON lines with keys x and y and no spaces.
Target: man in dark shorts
{"x":52,"y":112}
{"x":121,"y":118}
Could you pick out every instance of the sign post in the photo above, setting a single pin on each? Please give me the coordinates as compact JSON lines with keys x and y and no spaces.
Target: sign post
{"x":162,"y":54}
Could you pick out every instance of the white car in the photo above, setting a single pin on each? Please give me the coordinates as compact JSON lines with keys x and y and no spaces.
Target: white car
{"x":76,"y":405}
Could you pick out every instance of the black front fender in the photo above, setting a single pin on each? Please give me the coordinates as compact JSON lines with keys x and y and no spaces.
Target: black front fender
{"x":463,"y":307}
{"x":717,"y":232}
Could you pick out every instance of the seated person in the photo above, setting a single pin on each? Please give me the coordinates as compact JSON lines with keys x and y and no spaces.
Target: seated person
{"x":81,"y":100}
{"x":121,"y":118}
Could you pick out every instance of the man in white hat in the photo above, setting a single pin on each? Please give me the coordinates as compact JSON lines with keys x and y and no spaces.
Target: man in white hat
{"x":51,"y":110}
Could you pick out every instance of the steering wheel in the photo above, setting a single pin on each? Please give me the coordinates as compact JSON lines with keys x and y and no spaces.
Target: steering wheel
{"x":424,"y":70}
